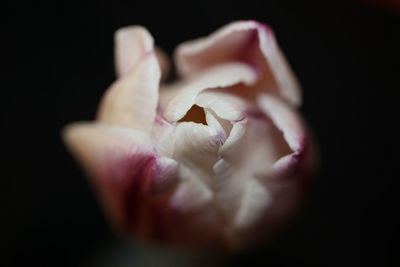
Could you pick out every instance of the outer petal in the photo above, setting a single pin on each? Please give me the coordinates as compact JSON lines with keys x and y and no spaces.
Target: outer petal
{"x":132,"y":100}
{"x":246,"y":41}
{"x":124,"y":168}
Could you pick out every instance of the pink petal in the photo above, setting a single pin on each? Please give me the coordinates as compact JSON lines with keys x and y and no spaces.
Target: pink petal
{"x":124,"y":169}
{"x":244,"y":41}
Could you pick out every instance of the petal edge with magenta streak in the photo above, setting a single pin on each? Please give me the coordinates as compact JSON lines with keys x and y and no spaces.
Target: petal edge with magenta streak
{"x":125,"y":170}
{"x":296,"y":134}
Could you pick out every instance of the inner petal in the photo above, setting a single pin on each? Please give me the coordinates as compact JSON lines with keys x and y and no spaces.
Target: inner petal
{"x":220,"y":76}
{"x":257,"y":144}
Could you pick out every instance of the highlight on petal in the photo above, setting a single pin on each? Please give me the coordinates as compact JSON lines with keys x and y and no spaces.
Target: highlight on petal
{"x":249,"y":42}
{"x":132,"y":100}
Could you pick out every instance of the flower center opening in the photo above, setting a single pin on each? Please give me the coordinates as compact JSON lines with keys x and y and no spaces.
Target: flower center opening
{"x":195,"y":114}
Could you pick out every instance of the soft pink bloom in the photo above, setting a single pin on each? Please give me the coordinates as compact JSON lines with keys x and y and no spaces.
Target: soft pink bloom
{"x":217,"y":159}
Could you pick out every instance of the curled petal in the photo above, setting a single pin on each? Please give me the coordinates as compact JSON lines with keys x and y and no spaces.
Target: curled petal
{"x":285,"y":120}
{"x":226,"y":106}
{"x":245,"y":41}
{"x":197,"y":145}
{"x":216,"y":77}
{"x":215,"y":122}
{"x":236,"y":133}
{"x":301,"y":161}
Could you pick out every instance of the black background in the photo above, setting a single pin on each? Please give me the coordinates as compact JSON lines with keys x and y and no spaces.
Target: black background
{"x":58,"y":61}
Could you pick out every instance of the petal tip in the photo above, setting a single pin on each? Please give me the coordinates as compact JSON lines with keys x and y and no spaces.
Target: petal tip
{"x":131,"y":43}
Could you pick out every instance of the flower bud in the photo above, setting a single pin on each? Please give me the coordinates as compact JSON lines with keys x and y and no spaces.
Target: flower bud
{"x":216,"y":159}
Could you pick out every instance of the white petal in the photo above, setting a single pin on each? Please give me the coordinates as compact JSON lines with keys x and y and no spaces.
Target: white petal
{"x":253,"y":147}
{"x":219,"y":76}
{"x":196,"y":145}
{"x":213,"y":122}
{"x":132,"y":100}
{"x":192,"y":193}
{"x":247,"y":41}
{"x":163,"y":136}
{"x":236,"y":133}
{"x":254,"y":143}
{"x":229,"y":184}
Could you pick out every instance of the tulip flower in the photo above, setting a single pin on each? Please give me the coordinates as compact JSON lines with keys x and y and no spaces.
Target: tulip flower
{"x":217,"y":159}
